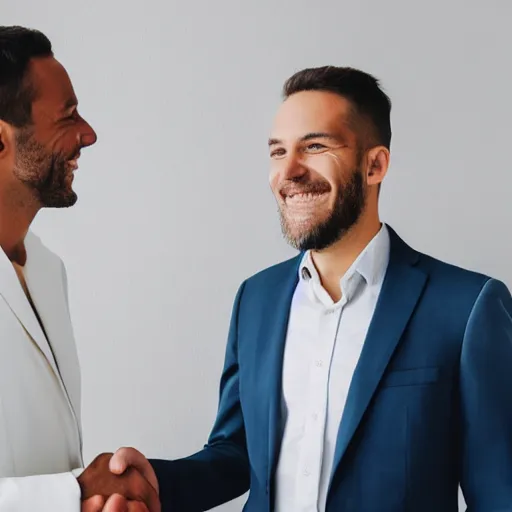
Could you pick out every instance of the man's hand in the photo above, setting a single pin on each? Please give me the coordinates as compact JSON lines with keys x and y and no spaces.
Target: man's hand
{"x":126,"y":458}
{"x":98,"y":481}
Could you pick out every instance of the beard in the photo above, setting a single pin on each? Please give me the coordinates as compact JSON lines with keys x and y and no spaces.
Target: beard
{"x":347,"y":210}
{"x":47,"y":174}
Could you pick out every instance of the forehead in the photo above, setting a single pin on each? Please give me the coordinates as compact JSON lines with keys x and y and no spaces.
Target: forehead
{"x":312,"y":111}
{"x":52,"y":84}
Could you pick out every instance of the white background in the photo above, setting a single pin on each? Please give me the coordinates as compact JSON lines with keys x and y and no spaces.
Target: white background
{"x":175,"y":209}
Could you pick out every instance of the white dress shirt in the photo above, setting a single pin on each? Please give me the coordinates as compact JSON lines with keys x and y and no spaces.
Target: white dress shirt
{"x":323,"y":345}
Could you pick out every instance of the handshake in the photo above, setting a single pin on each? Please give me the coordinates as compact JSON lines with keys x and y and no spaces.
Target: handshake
{"x":120,"y":482}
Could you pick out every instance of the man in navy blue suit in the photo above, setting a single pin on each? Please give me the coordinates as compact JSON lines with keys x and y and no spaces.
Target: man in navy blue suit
{"x":361,"y":375}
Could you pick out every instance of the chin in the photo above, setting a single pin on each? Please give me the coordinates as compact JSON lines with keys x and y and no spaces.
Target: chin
{"x":60,"y":201}
{"x":299,"y":238}
{"x":304,"y":226}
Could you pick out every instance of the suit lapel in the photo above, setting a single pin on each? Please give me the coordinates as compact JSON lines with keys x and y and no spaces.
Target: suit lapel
{"x":12,"y":292}
{"x":276,"y":316}
{"x":46,"y":283}
{"x":400,"y":292}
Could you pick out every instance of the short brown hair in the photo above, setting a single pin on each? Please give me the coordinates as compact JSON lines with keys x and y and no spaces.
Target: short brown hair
{"x":362,"y":90}
{"x":18,"y":45}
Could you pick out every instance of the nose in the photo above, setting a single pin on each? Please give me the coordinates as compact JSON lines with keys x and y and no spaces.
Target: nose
{"x":292,"y":167}
{"x":87,"y":136}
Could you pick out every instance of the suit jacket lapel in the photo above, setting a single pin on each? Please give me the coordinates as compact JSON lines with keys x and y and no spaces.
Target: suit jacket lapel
{"x":46,"y":283}
{"x":12,"y":292}
{"x":400,"y":292}
{"x":277,"y":312}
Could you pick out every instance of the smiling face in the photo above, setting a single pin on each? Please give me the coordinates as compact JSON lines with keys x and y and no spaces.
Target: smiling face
{"x":47,"y":150}
{"x":317,"y":174}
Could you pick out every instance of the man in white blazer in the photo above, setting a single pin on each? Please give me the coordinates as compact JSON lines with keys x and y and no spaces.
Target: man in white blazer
{"x":41,"y":136}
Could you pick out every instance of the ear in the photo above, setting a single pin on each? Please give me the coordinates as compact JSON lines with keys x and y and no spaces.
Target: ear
{"x":6,"y":139}
{"x":377,"y":165}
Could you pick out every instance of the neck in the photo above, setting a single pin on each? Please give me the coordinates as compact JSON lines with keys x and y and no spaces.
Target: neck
{"x":17,"y":211}
{"x":332,"y":263}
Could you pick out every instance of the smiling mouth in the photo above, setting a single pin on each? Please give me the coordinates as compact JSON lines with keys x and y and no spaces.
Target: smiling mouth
{"x":305,"y":198}
{"x":73,"y":164}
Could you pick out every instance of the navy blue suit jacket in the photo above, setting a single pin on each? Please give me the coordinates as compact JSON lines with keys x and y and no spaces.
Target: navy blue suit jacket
{"x":429,"y":406}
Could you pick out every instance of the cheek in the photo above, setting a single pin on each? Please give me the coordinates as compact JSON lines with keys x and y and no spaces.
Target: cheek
{"x":273,"y":179}
{"x":331,"y":162}
{"x":65,"y":142}
{"x":333,"y":158}
{"x":328,"y":166}
{"x":276,"y":165}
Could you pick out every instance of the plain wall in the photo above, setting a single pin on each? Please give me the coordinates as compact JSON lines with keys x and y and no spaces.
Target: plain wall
{"x":175,"y":209}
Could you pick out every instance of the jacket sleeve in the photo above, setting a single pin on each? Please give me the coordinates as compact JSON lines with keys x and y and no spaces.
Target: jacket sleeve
{"x":58,"y":493}
{"x":486,"y":402}
{"x":220,"y":471}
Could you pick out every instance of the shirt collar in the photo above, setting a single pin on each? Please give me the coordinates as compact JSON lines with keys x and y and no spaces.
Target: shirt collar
{"x":371,"y":264}
{"x":373,"y":261}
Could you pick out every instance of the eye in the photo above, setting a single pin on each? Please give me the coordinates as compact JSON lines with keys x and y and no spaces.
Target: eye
{"x":277,"y":152}
{"x":315,"y":146}
{"x":73,"y":116}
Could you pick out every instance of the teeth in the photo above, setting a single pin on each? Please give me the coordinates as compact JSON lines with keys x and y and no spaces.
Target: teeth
{"x":73,"y":164}
{"x":303,"y":197}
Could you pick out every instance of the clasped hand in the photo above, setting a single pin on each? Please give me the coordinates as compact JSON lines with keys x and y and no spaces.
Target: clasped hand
{"x":120,"y":482}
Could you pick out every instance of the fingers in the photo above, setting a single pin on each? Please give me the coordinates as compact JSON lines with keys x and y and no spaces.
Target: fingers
{"x":94,"y":504}
{"x":137,"y":506}
{"x":117,"y":503}
{"x":126,"y":457}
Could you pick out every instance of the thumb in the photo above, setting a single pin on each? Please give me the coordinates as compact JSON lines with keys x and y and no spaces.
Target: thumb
{"x":130,"y":457}
{"x":125,"y":458}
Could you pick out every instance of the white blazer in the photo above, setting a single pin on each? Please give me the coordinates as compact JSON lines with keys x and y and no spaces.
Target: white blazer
{"x":40,"y":433}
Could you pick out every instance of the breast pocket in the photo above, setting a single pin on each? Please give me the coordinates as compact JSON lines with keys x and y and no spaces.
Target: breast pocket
{"x":411,"y":377}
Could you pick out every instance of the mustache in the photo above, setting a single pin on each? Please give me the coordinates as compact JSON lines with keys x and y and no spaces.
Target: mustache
{"x":61,"y":158}
{"x":312,"y":187}
{"x":75,"y":154}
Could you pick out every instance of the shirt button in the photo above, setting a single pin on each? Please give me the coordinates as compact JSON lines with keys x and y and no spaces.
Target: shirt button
{"x":314,"y":416}
{"x":306,"y":472}
{"x":306,"y":274}
{"x":319,"y":363}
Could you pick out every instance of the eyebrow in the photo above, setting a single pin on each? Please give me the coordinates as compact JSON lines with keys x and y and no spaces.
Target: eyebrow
{"x":309,"y":136}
